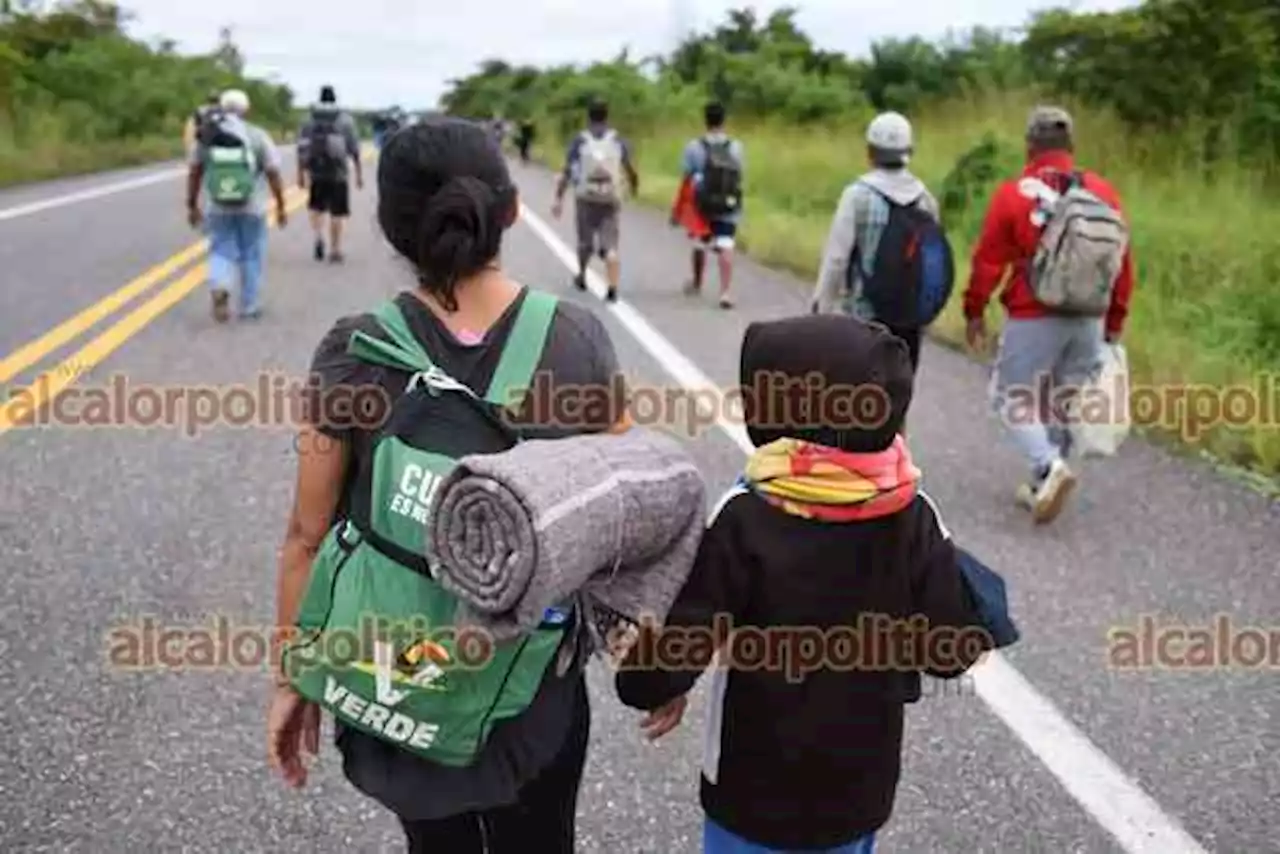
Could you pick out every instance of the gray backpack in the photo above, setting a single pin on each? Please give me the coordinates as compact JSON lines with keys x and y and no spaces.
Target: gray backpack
{"x":1080,"y":252}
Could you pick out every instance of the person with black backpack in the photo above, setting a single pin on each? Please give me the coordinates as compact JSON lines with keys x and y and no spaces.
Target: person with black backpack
{"x":325,"y":143}
{"x":887,"y":256}
{"x":715,"y":163}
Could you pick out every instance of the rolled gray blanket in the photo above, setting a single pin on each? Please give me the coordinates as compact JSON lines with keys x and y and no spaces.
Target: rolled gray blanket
{"x":617,"y":518}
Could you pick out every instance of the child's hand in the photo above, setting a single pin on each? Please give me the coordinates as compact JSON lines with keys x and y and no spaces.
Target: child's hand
{"x":662,"y":720}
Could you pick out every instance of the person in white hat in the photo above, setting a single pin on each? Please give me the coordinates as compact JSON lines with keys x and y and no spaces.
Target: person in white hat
{"x":234,"y":162}
{"x":860,"y":219}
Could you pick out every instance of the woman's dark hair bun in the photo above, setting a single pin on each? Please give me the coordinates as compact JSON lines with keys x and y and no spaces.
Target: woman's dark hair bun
{"x":461,"y":230}
{"x":445,"y":201}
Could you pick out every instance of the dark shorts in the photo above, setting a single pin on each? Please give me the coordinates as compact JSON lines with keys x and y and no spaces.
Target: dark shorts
{"x":722,"y":235}
{"x":597,"y":226}
{"x":331,"y":197}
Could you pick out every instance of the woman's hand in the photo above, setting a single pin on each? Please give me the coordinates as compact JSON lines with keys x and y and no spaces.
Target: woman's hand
{"x":293,"y":724}
{"x":662,"y":720}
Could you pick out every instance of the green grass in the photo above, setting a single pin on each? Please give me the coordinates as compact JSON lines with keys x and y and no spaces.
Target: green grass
{"x":1206,"y":307}
{"x":23,"y":165}
{"x":44,"y":150}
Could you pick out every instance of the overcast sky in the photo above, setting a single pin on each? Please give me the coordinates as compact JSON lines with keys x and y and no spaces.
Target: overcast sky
{"x":382,"y":52}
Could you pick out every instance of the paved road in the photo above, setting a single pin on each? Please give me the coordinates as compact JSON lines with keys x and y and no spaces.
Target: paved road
{"x":100,"y":528}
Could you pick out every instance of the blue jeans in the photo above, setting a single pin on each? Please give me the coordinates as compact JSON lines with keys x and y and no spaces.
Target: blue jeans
{"x":718,"y":840}
{"x":1041,"y":361}
{"x":237,"y":244}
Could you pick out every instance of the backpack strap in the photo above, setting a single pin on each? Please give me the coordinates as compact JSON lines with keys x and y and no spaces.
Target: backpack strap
{"x":523,"y":350}
{"x":402,"y":353}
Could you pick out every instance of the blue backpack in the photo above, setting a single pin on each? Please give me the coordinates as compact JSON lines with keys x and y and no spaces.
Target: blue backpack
{"x":913,"y":272}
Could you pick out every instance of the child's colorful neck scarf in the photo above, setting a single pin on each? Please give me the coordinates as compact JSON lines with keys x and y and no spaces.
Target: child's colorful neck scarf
{"x":817,"y":482}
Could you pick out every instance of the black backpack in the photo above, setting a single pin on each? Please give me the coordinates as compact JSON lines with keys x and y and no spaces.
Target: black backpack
{"x":720,"y":192}
{"x":209,"y":130}
{"x":321,"y":161}
{"x":913,"y":271}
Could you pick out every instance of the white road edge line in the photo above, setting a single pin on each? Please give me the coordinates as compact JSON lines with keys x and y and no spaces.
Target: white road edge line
{"x":89,"y":195}
{"x":1116,"y":802}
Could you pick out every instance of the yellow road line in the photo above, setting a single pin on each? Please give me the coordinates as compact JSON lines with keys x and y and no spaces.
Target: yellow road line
{"x":25,"y":403}
{"x":28,"y":354}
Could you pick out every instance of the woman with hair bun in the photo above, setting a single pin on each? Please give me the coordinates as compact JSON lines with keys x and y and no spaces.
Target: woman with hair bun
{"x":445,"y":201}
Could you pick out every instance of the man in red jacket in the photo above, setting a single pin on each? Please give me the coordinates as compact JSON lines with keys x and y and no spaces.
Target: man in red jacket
{"x":1039,"y":347}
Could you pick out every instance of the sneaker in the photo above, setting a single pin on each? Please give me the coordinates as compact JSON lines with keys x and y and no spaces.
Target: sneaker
{"x":220,"y":300}
{"x":337,"y":258}
{"x":1052,"y":493}
{"x":580,"y":282}
{"x":319,"y":252}
{"x":692,"y":288}
{"x":1025,"y":497}
{"x":726,"y":301}
{"x":251,"y":313}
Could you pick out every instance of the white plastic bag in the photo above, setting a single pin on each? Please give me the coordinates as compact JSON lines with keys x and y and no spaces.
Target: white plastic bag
{"x":1100,"y":415}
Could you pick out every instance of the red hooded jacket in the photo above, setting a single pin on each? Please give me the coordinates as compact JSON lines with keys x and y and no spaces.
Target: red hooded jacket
{"x":1009,"y":238}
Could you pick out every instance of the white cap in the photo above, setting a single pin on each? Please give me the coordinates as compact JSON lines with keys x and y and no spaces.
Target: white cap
{"x":890,"y":132}
{"x":235,"y":101}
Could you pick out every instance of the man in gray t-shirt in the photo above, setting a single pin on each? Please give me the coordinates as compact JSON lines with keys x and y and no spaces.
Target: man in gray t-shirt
{"x":326,"y":141}
{"x":234,"y":162}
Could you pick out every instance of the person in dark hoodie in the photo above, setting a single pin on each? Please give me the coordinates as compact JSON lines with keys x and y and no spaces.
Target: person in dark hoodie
{"x":826,"y":536}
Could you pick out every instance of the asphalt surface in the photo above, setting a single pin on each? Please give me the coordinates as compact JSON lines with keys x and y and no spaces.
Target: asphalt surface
{"x":100,"y":528}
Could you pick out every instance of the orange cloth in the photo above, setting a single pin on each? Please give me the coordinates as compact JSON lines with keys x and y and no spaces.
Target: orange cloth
{"x":685,"y":212}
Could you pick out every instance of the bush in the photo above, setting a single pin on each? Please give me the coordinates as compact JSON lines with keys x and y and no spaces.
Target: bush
{"x":78,"y":95}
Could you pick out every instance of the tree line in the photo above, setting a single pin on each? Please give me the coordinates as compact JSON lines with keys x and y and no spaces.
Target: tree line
{"x":1206,"y":72}
{"x":71,"y":75}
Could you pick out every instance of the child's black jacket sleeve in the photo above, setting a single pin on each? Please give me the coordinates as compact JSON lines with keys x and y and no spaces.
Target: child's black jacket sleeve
{"x":666,"y":662}
{"x":962,"y":599}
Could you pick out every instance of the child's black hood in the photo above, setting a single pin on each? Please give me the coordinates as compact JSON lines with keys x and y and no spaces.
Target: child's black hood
{"x":859,"y":382}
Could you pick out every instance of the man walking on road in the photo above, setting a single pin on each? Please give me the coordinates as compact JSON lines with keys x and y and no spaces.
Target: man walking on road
{"x":325,"y":143}
{"x":1063,"y":232}
{"x":524,"y":140}
{"x":234,"y":161}
{"x":714,"y":163}
{"x":862,"y":216}
{"x":594,"y":164}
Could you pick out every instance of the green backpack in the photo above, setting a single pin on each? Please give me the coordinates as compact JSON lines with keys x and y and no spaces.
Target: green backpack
{"x":230,"y":168}
{"x":376,"y":642}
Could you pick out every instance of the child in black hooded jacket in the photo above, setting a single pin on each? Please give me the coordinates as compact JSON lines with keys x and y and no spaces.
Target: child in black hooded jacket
{"x":821,"y":554}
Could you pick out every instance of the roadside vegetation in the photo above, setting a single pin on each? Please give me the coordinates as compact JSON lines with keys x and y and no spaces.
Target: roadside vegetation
{"x":1176,"y":102}
{"x":78,"y":95}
